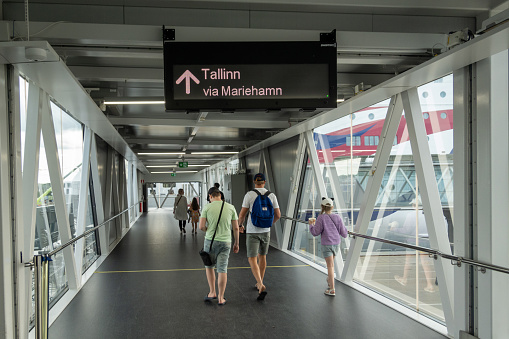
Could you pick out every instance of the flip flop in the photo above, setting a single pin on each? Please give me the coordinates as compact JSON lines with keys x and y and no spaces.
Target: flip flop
{"x":261,"y":295}
{"x":207,"y":298}
{"x":221,"y":304}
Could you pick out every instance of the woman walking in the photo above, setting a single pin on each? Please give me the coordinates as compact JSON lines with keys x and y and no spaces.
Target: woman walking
{"x":180,"y":210}
{"x":330,"y":226}
{"x":195,"y":214}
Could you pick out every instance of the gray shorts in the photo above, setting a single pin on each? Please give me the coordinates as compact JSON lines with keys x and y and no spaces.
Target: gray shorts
{"x":257,"y":243}
{"x":328,"y":250}
{"x":220,"y":252}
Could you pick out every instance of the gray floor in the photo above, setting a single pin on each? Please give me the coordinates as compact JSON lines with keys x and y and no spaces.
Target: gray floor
{"x":169,"y":303}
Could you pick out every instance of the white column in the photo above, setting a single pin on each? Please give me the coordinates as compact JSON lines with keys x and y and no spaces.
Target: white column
{"x":491,"y":194}
{"x":6,"y":267}
{"x":31,"y":165}
{"x":55,"y":173}
{"x":432,"y":207}
{"x":26,"y":199}
{"x":462,"y":198}
{"x":83,"y":202}
{"x":23,"y":276}
{"x":377,"y":173}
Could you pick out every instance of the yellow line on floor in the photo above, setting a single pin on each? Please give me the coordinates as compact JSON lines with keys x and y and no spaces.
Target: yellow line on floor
{"x":192,"y":269}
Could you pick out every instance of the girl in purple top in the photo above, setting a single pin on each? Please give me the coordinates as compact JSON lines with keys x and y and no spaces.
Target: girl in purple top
{"x":331,"y":228}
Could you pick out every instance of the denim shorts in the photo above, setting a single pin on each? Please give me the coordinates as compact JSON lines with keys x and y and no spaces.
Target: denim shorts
{"x":257,"y":243}
{"x":219,"y":253}
{"x":328,"y":250}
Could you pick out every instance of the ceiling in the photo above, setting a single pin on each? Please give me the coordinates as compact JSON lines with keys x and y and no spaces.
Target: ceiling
{"x":114,"y":49}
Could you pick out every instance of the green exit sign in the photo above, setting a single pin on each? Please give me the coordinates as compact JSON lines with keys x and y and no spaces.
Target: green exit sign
{"x":183,"y":164}
{"x":173,"y":174}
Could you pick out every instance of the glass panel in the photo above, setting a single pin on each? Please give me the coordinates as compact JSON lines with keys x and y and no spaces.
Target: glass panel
{"x":304,"y":243}
{"x":346,"y":166}
{"x":410,"y":275}
{"x":69,"y":136}
{"x":47,"y":235}
{"x":403,"y":275}
{"x":90,"y":252}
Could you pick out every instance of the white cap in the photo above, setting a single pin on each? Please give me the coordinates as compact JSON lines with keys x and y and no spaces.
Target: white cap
{"x":327,"y":202}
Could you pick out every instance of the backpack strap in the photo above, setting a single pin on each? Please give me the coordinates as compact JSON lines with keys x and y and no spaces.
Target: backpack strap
{"x":256,"y":191}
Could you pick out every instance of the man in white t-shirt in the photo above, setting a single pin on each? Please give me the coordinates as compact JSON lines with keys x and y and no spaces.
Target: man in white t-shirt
{"x":257,"y":238}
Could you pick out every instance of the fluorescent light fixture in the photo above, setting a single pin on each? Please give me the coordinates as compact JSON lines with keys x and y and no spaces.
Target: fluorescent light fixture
{"x":177,"y":172}
{"x":340,"y":100}
{"x":177,"y":166}
{"x":141,"y":102}
{"x":164,"y":153}
{"x":214,"y":152}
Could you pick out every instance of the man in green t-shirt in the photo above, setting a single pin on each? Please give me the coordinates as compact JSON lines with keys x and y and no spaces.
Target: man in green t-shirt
{"x":221,"y":246}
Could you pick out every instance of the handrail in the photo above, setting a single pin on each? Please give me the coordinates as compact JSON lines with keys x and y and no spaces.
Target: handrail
{"x":455,"y":260}
{"x":72,"y":241}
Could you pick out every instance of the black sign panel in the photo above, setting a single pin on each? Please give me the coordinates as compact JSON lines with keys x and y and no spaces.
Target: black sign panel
{"x":249,"y":75}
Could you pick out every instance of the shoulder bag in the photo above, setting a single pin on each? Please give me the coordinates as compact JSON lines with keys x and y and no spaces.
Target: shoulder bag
{"x":205,"y":256}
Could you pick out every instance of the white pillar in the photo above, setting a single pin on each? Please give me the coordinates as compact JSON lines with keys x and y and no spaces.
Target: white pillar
{"x":462,"y":199}
{"x":6,"y":266}
{"x":491,"y":194}
{"x":432,"y":207}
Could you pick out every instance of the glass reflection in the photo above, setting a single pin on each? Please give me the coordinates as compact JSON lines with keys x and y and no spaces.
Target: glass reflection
{"x":346,"y":149}
{"x":304,"y":243}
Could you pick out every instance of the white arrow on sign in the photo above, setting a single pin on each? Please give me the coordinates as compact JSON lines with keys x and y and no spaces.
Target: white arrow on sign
{"x":188,"y":76}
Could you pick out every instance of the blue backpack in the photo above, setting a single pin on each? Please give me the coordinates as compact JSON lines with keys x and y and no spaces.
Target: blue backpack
{"x":262,"y":214}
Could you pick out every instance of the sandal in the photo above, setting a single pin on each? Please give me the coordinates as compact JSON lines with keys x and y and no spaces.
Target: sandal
{"x":207,"y":298}
{"x":330,"y":292}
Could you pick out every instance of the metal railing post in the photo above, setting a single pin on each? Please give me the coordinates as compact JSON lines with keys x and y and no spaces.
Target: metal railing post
{"x":41,"y":273}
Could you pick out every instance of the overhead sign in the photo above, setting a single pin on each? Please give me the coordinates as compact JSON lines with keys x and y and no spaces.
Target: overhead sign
{"x":250,"y":75}
{"x":183,"y":164}
{"x":173,"y":174}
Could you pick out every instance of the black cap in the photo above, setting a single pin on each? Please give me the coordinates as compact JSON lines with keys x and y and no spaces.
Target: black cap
{"x":259,"y":177}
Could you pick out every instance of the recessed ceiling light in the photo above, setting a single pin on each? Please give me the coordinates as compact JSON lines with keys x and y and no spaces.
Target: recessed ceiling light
{"x":174,"y":172}
{"x":163,"y":153}
{"x":177,"y":165}
{"x":214,"y":152}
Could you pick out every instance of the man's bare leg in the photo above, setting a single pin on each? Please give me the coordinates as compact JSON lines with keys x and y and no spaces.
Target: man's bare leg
{"x":211,"y":279}
{"x":262,"y":264}
{"x":221,"y":286}
{"x":255,"y":269}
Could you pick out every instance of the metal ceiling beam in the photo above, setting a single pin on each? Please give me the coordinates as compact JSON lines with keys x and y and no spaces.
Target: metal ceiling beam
{"x":233,"y":121}
{"x":183,"y":141}
{"x":121,"y":35}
